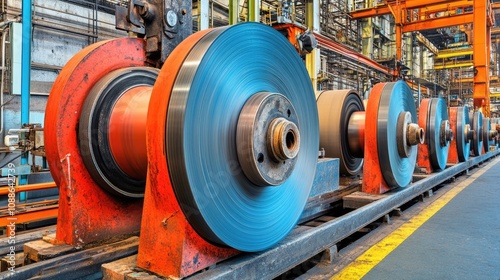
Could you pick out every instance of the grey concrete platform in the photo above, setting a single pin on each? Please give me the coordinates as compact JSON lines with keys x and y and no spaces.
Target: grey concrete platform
{"x":461,"y":241}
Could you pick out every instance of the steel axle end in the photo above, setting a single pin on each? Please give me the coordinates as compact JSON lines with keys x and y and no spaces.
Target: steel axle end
{"x":415,"y":134}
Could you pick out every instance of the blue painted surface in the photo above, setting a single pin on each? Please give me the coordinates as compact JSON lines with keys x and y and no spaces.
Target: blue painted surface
{"x":26,"y":62}
{"x":461,"y":241}
{"x":25,"y":80}
{"x":17,"y":171}
{"x":441,"y":115}
{"x":400,"y":169}
{"x":326,"y":178}
{"x":243,"y":60}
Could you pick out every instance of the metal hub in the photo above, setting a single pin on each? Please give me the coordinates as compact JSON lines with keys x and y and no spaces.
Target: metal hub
{"x":468,"y":132}
{"x":446,"y":133}
{"x":267,"y":138}
{"x":408,"y":134}
{"x":356,"y":133}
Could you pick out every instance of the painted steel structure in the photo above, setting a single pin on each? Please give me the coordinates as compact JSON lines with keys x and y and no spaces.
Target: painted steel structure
{"x":414,"y":15}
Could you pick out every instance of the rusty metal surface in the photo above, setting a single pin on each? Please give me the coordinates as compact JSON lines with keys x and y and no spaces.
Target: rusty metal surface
{"x":387,"y":168}
{"x":423,"y":159}
{"x":460,"y":124}
{"x":164,"y":24}
{"x":373,"y":181}
{"x":127,"y":19}
{"x":86,"y":212}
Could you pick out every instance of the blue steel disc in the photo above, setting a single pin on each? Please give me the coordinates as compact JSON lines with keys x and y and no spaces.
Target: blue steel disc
{"x":395,"y":99}
{"x":222,"y":71}
{"x":436,"y":114}
{"x":463,"y":144}
{"x":477,"y":141}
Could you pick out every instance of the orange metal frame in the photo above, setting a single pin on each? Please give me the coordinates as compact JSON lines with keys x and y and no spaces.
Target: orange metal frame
{"x":87,"y":213}
{"x":48,"y":211}
{"x":294,"y":30}
{"x":31,"y":187}
{"x":373,"y":179}
{"x":423,"y":160}
{"x":482,"y":19}
{"x":482,"y":49}
{"x":32,"y":213}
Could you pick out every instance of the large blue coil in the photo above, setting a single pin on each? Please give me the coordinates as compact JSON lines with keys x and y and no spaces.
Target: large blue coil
{"x":222,"y":71}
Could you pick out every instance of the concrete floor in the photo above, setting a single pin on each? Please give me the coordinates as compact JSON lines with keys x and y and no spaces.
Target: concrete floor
{"x":461,"y":241}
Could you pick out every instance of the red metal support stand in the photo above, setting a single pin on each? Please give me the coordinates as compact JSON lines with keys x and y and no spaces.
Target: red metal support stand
{"x":87,"y":213}
{"x":373,"y":180}
{"x":423,"y":157}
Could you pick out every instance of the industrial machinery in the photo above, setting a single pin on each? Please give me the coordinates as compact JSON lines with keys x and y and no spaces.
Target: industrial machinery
{"x":232,"y":142}
{"x":96,"y":123}
{"x":489,"y":134}
{"x":208,"y":144}
{"x":390,"y":157}
{"x":459,"y":149}
{"x":386,"y":134}
{"x":342,"y":111}
{"x":28,"y":139}
{"x":433,"y":154}
{"x":477,"y":126}
{"x":239,"y":149}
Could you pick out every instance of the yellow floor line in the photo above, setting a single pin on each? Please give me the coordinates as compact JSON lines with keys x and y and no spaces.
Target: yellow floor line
{"x":368,"y":260}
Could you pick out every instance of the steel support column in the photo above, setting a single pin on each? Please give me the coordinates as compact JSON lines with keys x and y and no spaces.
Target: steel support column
{"x":203,"y":17}
{"x":254,"y":10}
{"x":481,"y":49}
{"x":25,"y":79}
{"x":312,"y":21}
{"x":234,"y":12}
{"x":367,"y":37}
{"x":367,"y":34}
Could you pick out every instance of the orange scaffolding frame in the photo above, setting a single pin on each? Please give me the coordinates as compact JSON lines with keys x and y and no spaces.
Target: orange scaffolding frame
{"x":481,"y":17}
